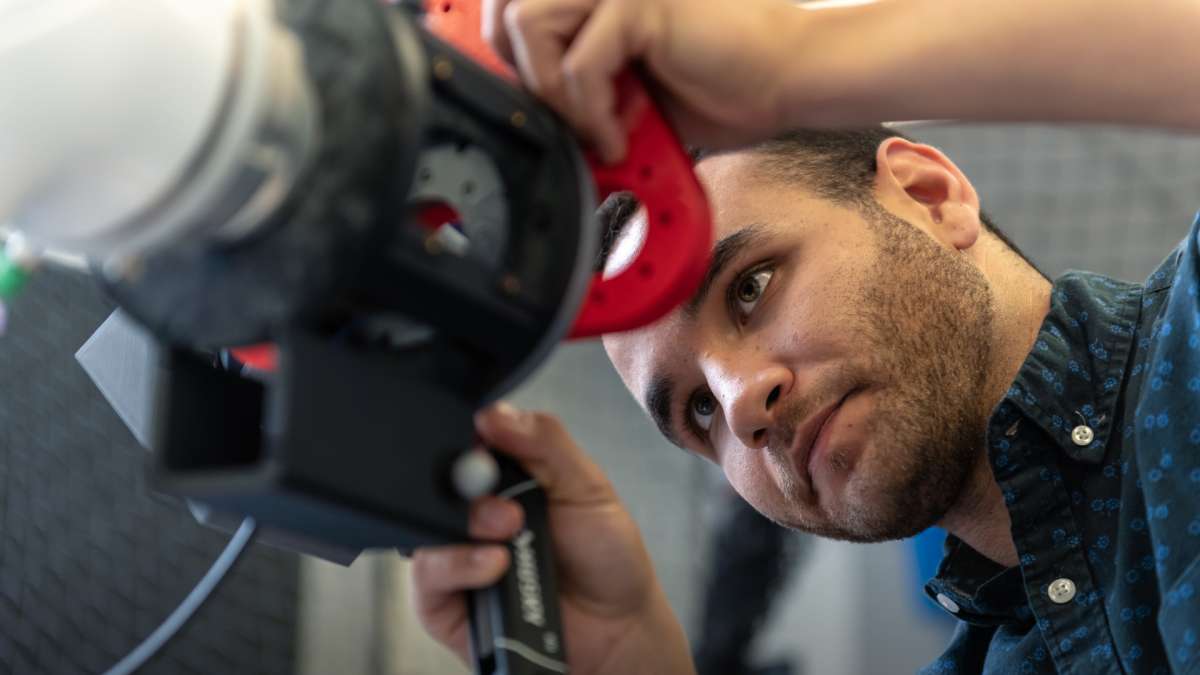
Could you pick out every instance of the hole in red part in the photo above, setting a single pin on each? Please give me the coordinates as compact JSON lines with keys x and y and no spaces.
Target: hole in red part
{"x":442,"y":228}
{"x":624,"y":244}
{"x":598,"y":298}
{"x":645,"y":172}
{"x":446,"y":7}
{"x":646,"y":270}
{"x":433,"y":215}
{"x":664,"y":218}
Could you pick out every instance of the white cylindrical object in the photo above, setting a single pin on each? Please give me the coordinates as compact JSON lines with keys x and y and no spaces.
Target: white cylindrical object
{"x":475,"y":473}
{"x":121,"y":121}
{"x":102,"y":105}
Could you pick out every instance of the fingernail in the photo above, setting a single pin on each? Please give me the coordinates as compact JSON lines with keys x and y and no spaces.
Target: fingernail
{"x":498,"y":413}
{"x":613,"y":153}
{"x":488,"y":556}
{"x":512,"y":417}
{"x":619,"y":149}
{"x":498,"y":518}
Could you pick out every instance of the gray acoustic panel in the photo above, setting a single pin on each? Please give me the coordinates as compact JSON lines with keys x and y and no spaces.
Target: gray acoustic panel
{"x":1104,"y":199}
{"x":90,"y":561}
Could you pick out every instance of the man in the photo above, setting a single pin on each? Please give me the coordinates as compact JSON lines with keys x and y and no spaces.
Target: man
{"x":868,"y":356}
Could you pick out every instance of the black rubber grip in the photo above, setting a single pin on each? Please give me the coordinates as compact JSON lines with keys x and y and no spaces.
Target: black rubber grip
{"x":516,"y":625}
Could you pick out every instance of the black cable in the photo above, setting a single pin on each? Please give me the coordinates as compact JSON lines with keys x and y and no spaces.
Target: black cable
{"x":186,"y":609}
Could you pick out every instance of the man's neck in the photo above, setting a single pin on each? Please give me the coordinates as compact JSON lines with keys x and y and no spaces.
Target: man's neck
{"x":980,"y":517}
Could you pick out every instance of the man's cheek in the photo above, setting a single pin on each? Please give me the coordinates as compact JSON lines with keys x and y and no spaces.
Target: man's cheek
{"x":752,"y":480}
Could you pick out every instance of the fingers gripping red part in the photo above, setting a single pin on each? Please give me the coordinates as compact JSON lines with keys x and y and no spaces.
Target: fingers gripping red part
{"x":657,"y":169}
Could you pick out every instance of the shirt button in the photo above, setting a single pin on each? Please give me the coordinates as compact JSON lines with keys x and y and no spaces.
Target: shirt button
{"x":1082,"y":435}
{"x":1061,"y":591}
{"x":945,"y":601}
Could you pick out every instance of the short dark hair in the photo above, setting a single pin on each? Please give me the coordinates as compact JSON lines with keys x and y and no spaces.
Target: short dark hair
{"x":837,"y":165}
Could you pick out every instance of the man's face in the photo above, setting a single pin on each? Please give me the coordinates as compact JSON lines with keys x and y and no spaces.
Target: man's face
{"x":834,"y":368}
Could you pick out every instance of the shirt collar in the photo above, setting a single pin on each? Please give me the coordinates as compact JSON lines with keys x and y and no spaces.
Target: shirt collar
{"x":1074,"y":374}
{"x":1072,"y":377}
{"x":975,"y":589}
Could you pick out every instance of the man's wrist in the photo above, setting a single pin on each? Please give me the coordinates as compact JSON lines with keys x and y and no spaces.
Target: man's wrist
{"x":654,"y":643}
{"x":830,"y":71}
{"x":664,"y":634}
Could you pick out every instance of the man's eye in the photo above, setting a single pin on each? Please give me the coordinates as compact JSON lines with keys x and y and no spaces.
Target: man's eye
{"x":749,"y":288}
{"x":702,"y":408}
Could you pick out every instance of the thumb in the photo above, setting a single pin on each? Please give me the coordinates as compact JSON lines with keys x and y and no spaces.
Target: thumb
{"x":540,"y":443}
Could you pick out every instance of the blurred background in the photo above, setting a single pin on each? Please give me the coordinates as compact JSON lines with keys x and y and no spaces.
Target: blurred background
{"x":90,"y":562}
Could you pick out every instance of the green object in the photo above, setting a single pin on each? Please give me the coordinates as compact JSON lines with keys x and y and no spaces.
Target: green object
{"x":12,"y":277}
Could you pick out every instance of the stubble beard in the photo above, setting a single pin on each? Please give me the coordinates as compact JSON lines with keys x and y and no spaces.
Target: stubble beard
{"x":927,"y":317}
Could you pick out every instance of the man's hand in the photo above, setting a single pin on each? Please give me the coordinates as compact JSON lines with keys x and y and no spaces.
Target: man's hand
{"x":730,"y":72}
{"x":719,"y":62}
{"x":615,"y":616}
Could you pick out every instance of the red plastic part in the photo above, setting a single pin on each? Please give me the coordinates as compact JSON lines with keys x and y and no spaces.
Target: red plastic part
{"x":433,"y":215}
{"x":675,"y":254}
{"x":260,"y":357}
{"x":460,"y":23}
{"x":678,"y":243}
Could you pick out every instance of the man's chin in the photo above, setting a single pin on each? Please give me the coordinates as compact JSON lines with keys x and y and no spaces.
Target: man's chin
{"x":875,"y":520}
{"x":873,"y":534}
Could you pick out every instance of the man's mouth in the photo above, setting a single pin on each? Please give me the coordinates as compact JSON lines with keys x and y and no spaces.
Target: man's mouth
{"x":803,"y":445}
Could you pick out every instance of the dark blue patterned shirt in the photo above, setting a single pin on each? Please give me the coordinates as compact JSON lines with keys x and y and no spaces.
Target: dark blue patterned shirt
{"x":1096,"y":448}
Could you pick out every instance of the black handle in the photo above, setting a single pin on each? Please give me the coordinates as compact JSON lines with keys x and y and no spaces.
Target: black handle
{"x":516,"y":626}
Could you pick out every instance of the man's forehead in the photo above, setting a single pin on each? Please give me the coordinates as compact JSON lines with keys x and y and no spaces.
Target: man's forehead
{"x":732,"y":182}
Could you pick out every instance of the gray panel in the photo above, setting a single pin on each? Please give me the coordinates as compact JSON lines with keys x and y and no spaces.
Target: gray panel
{"x":1104,"y":199}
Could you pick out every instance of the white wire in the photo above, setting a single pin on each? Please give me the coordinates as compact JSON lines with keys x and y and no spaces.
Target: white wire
{"x":169,"y":627}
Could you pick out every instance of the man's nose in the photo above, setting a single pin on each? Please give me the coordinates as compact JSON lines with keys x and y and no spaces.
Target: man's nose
{"x":751,"y":398}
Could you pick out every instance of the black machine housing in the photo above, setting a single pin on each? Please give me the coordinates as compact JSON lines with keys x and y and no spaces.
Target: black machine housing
{"x":387,"y":345}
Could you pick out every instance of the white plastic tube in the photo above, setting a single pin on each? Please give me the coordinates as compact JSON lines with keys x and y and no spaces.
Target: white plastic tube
{"x":121,"y":120}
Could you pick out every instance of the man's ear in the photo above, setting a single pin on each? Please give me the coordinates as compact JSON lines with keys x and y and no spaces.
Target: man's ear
{"x":918,"y":180}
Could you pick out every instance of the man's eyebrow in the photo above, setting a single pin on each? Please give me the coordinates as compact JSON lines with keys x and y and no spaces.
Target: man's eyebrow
{"x":724,"y":252}
{"x":658,"y":403}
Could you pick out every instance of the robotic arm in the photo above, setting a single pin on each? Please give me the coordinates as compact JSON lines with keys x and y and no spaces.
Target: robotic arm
{"x":364,"y":189}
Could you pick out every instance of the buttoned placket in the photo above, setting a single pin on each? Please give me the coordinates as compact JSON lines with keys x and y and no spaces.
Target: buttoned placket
{"x":1063,"y":596}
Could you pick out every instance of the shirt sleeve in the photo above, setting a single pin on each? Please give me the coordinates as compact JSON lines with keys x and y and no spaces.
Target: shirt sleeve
{"x":1168,"y":447}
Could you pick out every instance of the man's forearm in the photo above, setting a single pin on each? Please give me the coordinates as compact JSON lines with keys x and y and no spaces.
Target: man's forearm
{"x":1054,"y":60}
